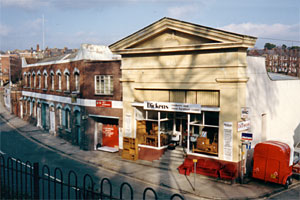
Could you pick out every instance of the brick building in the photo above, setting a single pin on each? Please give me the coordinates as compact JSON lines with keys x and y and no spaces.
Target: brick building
{"x":279,"y":60}
{"x":76,"y":96}
{"x":10,"y":68}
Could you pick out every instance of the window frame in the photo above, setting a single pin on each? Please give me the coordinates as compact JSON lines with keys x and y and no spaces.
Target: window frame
{"x":104,"y":89}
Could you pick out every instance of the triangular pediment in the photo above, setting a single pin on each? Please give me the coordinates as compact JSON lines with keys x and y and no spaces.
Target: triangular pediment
{"x":170,"y":33}
{"x":171,"y":38}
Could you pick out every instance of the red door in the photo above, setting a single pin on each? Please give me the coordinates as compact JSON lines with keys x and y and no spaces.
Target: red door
{"x":110,"y":135}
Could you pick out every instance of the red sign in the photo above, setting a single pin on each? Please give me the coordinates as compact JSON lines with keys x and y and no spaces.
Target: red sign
{"x":110,"y":135}
{"x":106,"y":104}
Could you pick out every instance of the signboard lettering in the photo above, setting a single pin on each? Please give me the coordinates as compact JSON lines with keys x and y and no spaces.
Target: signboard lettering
{"x":245,"y":112}
{"x":244,"y":125}
{"x":105,"y":104}
{"x":176,"y":107}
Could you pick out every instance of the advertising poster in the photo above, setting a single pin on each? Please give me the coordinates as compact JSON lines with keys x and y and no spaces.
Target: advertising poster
{"x":228,"y":141}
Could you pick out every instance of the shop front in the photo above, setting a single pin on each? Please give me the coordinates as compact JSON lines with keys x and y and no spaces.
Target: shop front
{"x":166,"y":125}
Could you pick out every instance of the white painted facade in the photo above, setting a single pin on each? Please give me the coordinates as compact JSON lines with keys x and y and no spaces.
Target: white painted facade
{"x":274,"y":105}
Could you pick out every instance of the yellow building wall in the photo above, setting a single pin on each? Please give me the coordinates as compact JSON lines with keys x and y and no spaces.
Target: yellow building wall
{"x":221,"y":71}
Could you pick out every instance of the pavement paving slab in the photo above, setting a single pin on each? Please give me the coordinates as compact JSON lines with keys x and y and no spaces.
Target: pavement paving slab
{"x":149,"y":172}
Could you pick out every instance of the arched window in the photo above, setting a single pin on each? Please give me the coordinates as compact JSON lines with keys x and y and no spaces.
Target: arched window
{"x":29,"y":80}
{"x":59,"y":114}
{"x":67,"y":117}
{"x":34,"y":79}
{"x":25,"y":79}
{"x":76,"y":78}
{"x":67,"y":79}
{"x":58,"y":73}
{"x":45,"y":79}
{"x":52,"y":79}
{"x":39,"y":79}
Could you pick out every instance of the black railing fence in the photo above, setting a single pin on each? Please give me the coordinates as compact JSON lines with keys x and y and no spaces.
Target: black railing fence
{"x":19,"y":180}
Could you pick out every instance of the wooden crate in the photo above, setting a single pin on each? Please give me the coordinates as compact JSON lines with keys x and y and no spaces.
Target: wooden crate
{"x":130,"y":148}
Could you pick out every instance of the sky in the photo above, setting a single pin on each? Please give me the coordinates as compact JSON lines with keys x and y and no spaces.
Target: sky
{"x":69,"y":23}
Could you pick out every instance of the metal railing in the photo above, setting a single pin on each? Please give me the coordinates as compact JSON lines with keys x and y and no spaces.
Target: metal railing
{"x":19,"y":180}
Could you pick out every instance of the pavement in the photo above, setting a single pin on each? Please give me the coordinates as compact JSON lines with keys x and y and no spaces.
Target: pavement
{"x":151,"y":173}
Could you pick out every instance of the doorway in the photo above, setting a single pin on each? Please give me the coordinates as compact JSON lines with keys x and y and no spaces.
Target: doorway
{"x":77,"y":127}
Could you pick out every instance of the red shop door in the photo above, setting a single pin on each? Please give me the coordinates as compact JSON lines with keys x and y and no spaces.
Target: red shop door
{"x":110,"y":135}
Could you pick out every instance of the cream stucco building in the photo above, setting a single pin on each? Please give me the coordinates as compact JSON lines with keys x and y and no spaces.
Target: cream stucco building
{"x":186,"y":81}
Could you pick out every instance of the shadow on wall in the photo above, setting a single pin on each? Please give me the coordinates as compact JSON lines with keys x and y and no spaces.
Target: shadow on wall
{"x":297,"y":135}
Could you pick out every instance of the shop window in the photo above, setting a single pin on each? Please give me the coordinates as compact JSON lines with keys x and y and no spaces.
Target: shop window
{"x":104,"y":84}
{"x":31,"y":108}
{"x":66,"y":119}
{"x":204,"y":131}
{"x":34,"y":109}
{"x":154,"y":127}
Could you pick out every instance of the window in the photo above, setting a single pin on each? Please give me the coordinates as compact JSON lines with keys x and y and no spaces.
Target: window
{"x":59,"y":117}
{"x":67,"y":122}
{"x":29,"y":81}
{"x":40,"y":81}
{"x":46,"y":81}
{"x":25,"y":80}
{"x":52,"y":81}
{"x":59,"y":81}
{"x":104,"y":84}
{"x":34,"y":80}
{"x":67,"y":77}
{"x":76,"y":76}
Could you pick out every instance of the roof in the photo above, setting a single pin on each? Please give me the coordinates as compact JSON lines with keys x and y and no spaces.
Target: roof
{"x":57,"y":58}
{"x":279,"y":77}
{"x":217,"y":38}
{"x":86,"y":52}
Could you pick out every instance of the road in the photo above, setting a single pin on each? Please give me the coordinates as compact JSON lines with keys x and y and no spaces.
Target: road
{"x":19,"y":147}
{"x":291,"y":194}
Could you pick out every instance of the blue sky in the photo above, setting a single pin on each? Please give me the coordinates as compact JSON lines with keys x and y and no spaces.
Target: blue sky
{"x":72,"y":22}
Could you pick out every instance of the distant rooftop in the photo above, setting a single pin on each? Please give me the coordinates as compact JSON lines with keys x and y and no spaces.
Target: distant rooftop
{"x":279,"y":77}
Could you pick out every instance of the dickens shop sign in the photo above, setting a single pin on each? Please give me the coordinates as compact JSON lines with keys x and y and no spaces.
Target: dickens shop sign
{"x":175,"y":107}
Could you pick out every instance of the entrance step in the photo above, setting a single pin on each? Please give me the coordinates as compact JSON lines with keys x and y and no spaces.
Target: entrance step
{"x":171,"y":158}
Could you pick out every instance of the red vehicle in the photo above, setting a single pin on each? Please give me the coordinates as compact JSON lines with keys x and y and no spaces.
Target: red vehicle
{"x":272,"y":161}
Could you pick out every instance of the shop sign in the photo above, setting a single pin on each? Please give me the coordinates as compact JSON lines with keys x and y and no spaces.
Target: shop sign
{"x":247,"y":136}
{"x":245,"y":112}
{"x":244,"y":125}
{"x":172,"y":107}
{"x":105,"y":104}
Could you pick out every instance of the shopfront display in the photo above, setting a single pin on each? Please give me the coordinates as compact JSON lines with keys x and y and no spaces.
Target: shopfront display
{"x":158,"y":126}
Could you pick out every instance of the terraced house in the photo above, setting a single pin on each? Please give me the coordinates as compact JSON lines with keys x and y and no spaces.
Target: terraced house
{"x":76,"y":96}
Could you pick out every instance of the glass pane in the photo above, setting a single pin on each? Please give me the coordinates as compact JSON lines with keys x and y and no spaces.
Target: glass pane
{"x":212,"y":118}
{"x":102,"y":85}
{"x":111,"y":85}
